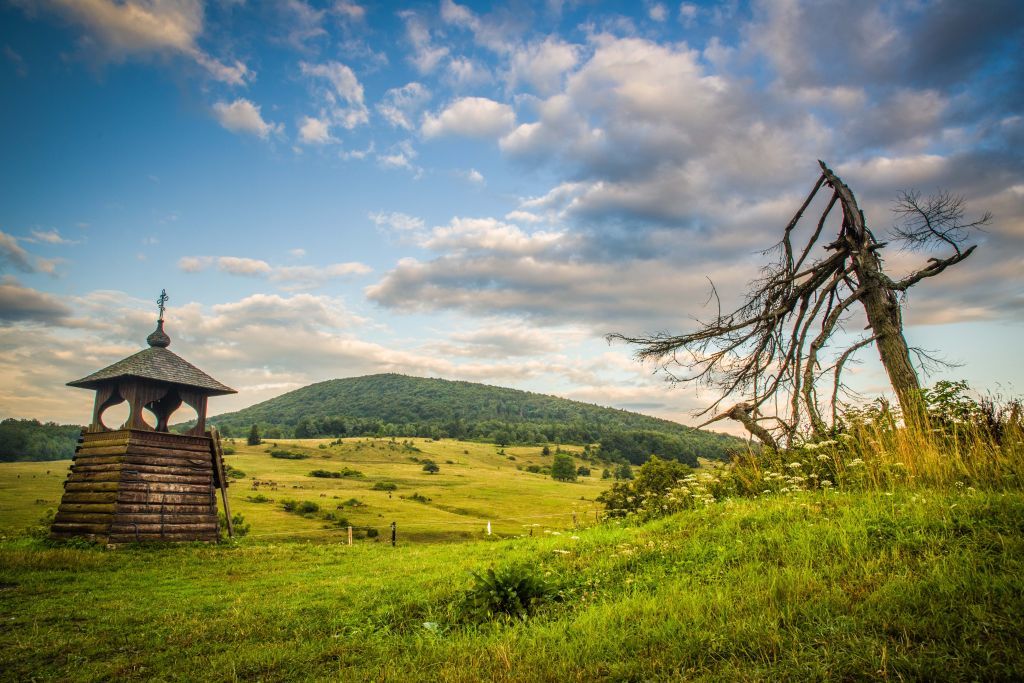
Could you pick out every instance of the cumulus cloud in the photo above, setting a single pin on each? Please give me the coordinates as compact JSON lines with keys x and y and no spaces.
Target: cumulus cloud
{"x":242,"y":116}
{"x":313,"y":131}
{"x":116,"y":31}
{"x":543,"y":65}
{"x":477,"y":117}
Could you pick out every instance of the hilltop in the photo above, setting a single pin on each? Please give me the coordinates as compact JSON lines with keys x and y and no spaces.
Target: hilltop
{"x":399,"y":405}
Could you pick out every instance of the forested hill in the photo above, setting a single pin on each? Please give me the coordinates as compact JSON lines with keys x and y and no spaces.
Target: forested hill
{"x":398,"y":405}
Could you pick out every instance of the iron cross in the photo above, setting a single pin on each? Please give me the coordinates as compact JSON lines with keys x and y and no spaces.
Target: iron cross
{"x":161,"y":300}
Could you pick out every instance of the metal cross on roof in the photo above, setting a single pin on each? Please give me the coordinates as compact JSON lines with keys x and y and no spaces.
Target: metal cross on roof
{"x":161,"y":300}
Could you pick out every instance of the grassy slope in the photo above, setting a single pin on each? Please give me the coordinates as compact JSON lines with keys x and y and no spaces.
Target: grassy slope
{"x":479,"y":486}
{"x":810,"y":587}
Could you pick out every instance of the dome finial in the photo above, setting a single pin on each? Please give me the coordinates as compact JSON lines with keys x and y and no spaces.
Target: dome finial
{"x":159,"y":337}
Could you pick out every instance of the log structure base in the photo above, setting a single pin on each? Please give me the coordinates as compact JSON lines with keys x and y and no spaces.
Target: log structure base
{"x":131,"y":485}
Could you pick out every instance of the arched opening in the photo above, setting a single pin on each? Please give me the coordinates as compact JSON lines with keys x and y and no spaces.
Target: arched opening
{"x":114,"y":415}
{"x":149,"y":417}
{"x":183,"y":418}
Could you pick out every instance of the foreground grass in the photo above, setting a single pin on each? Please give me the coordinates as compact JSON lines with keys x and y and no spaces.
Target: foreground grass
{"x":922,"y":585}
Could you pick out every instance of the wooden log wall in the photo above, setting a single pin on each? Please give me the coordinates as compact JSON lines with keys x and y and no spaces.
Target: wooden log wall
{"x":130,"y":485}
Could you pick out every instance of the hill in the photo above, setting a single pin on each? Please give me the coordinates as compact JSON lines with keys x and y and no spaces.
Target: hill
{"x":398,"y":405}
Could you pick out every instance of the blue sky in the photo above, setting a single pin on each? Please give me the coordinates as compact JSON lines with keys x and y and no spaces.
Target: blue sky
{"x":476,"y":191}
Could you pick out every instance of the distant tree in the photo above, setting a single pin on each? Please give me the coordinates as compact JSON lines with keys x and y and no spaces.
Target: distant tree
{"x":545,"y":451}
{"x":431,"y":467}
{"x":563,"y":468}
{"x":583,"y":471}
{"x":623,"y":471}
{"x":606,"y":473}
{"x":254,"y":436}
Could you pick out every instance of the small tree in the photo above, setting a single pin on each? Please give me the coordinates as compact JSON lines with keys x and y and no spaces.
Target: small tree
{"x":563,"y":468}
{"x":254,"y":436}
{"x":431,"y":467}
{"x":623,"y":471}
{"x":545,"y":451}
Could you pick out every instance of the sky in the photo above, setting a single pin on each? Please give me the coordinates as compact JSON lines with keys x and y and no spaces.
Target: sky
{"x":479,"y":191}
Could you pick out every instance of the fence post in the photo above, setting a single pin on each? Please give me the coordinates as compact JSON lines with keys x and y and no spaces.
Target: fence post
{"x":393,"y":534}
{"x":575,"y":524}
{"x":488,"y":527}
{"x":350,"y":535}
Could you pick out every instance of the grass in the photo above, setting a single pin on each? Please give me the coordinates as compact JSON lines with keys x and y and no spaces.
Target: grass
{"x":475,"y":485}
{"x":909,"y":565}
{"x":820,"y":586}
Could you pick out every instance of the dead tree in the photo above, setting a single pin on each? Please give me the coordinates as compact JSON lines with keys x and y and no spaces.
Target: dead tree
{"x":774,"y":349}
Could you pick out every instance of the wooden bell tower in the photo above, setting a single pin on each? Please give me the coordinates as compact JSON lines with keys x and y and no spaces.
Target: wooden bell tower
{"x":138,"y":481}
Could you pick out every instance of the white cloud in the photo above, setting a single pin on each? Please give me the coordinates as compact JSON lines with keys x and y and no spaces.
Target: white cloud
{"x":463,"y":72}
{"x":288,"y":278}
{"x":478,"y":117}
{"x":426,"y":55}
{"x":543,"y":65}
{"x":474,"y":176}
{"x":50,"y":237}
{"x":349,"y":10}
{"x":658,"y":12}
{"x":118,"y":30}
{"x":234,"y":265}
{"x":401,"y":106}
{"x":397,"y":221}
{"x":194,"y":264}
{"x":242,"y":116}
{"x":313,"y":131}
{"x":343,"y":100}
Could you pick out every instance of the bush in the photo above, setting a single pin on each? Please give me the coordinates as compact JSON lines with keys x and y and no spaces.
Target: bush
{"x":583,"y":471}
{"x":510,"y":592}
{"x":533,"y":468}
{"x":307,"y":507}
{"x":238,"y":525}
{"x":259,"y":498}
{"x":233,"y":473}
{"x":384,"y":486}
{"x":419,"y":498}
{"x":431,"y":467}
{"x":287,"y":455}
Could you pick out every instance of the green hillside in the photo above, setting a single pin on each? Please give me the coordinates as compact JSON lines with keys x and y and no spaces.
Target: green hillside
{"x":397,"y":405}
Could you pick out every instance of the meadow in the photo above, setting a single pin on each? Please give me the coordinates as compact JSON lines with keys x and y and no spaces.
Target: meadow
{"x":904,"y":581}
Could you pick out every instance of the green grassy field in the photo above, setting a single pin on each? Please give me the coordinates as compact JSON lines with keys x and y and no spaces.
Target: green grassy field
{"x":475,"y":485}
{"x":910,"y":583}
{"x":823,"y":586}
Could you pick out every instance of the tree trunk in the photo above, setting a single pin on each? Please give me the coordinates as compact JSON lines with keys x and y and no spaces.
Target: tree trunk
{"x":881,"y":306}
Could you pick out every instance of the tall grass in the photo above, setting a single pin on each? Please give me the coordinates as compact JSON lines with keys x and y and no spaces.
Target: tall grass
{"x":968,"y":443}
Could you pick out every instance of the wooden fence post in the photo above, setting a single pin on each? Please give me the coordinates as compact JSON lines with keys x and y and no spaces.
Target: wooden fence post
{"x":393,"y":534}
{"x":350,"y":535}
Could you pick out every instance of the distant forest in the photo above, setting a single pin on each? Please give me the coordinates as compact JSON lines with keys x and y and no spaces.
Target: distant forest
{"x":401,"y":406}
{"x":34,"y":440}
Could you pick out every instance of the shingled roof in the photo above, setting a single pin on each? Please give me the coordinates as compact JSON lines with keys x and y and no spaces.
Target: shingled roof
{"x":159,"y":364}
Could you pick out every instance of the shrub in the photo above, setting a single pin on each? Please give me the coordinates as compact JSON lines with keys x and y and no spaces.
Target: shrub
{"x":431,"y":467}
{"x":583,"y":471}
{"x":510,"y":592}
{"x":352,"y":502}
{"x":259,"y":498}
{"x":234,"y":473}
{"x":418,"y":497}
{"x":238,"y":525}
{"x":533,"y":468}
{"x":287,"y":455}
{"x":384,"y":486}
{"x":307,"y":507}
